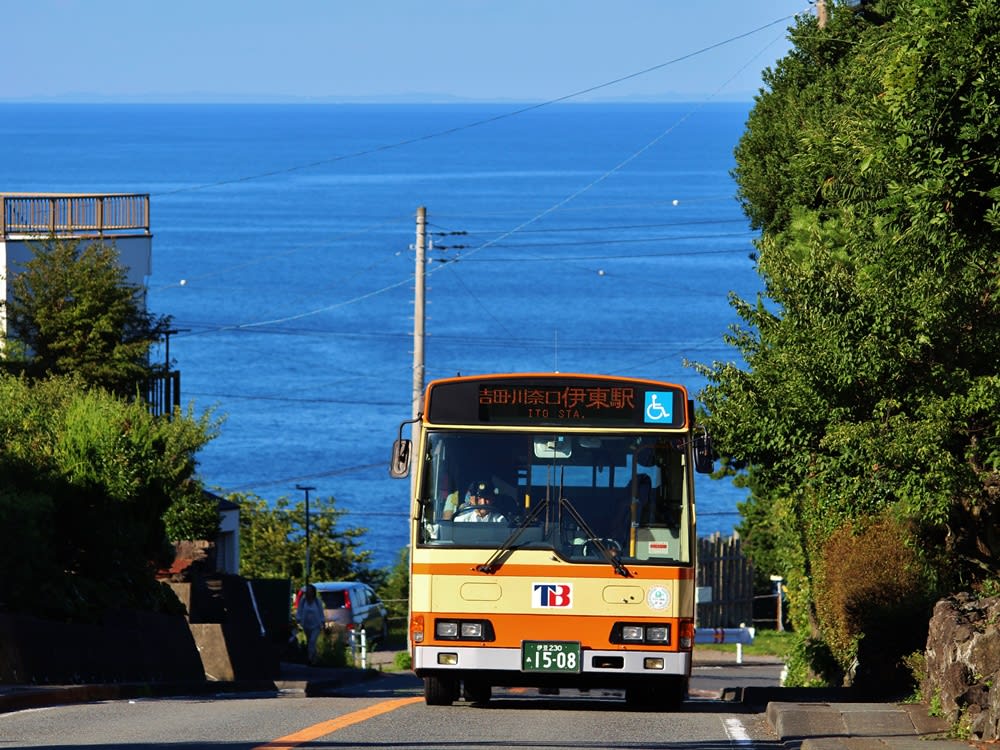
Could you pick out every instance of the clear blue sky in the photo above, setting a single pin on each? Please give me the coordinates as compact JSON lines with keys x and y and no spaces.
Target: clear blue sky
{"x":524,"y":50}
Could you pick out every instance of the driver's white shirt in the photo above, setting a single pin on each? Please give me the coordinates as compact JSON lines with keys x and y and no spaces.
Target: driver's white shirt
{"x":473,"y":516}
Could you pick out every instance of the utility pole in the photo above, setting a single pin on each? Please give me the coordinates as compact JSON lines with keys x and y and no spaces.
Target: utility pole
{"x":166,"y":345}
{"x":821,"y":13}
{"x":418,"y":311}
{"x":308,"y":552}
{"x":419,"y":293}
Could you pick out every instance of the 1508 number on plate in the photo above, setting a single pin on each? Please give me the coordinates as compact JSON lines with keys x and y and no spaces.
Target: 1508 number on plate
{"x":550,"y":656}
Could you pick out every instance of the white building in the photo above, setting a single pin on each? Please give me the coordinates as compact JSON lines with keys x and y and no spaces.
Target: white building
{"x":121,"y":220}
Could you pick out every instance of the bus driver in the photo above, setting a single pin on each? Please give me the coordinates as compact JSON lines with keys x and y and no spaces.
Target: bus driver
{"x":479,"y":505}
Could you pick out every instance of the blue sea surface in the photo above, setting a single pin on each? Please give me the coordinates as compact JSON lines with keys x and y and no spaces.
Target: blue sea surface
{"x":594,"y":238}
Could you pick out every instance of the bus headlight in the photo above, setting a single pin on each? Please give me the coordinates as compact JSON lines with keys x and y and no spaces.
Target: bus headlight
{"x":445,"y":629}
{"x":464,"y":630}
{"x":472,"y":630}
{"x":653,"y":633}
{"x":632,"y":632}
{"x":657,"y":634}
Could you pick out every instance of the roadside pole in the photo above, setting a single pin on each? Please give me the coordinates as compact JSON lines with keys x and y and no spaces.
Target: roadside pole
{"x":419,"y":293}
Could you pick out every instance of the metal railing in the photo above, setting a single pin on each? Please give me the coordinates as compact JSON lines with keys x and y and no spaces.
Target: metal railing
{"x":163,"y":393}
{"x":74,"y":214}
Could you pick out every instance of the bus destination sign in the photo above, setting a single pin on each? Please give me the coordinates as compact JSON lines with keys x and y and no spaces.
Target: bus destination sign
{"x":554,"y":403}
{"x":599,"y":403}
{"x":557,"y":401}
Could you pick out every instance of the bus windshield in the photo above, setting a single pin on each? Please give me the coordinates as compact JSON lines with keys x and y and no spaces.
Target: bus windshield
{"x":585,"y":496}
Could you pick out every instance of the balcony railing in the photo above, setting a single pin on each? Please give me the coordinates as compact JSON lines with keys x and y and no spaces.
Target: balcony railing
{"x":74,"y":215}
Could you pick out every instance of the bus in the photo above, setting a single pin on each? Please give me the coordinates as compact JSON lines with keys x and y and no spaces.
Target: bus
{"x":552,"y":535}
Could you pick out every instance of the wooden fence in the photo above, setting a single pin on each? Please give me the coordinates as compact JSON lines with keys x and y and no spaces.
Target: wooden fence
{"x":725,"y":581}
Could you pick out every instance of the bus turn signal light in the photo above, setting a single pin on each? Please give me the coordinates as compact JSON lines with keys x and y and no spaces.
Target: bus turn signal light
{"x":686,"y":639}
{"x":417,"y":629}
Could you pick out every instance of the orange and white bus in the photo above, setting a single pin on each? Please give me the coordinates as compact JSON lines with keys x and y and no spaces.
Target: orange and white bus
{"x":552,"y":535}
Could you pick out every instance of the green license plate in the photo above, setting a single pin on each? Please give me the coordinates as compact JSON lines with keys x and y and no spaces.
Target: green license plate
{"x":550,"y":656}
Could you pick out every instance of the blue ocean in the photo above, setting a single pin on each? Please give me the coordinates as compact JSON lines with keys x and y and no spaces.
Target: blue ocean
{"x":592,"y":238}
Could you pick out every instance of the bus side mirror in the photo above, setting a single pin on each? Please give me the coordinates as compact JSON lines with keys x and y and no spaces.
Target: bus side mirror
{"x":399,"y":467}
{"x":704,"y":454}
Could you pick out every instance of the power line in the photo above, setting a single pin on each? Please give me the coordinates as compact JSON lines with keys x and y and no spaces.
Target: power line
{"x":490,"y":243}
{"x":477,"y":123}
{"x":623,"y":241}
{"x":266,"y":325}
{"x":273,"y":256}
{"x":263,"y":397}
{"x":289,"y":480}
{"x":616,"y":207}
{"x":609,"y":227}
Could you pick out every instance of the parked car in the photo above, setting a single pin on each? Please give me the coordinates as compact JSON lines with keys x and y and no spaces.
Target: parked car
{"x":354,"y":605}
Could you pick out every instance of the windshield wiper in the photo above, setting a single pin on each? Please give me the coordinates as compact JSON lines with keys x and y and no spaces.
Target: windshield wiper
{"x":613,"y":559}
{"x":498,"y":558}
{"x":503,"y":551}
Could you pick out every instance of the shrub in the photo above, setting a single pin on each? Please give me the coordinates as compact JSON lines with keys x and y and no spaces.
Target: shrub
{"x":87,"y":479}
{"x":331,"y":649}
{"x":811,"y":664}
{"x":874,"y":602}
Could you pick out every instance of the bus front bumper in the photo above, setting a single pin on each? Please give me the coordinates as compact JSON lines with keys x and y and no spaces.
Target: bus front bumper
{"x":594,"y":663}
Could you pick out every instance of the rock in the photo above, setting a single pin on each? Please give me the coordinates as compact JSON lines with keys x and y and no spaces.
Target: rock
{"x":963,"y":663}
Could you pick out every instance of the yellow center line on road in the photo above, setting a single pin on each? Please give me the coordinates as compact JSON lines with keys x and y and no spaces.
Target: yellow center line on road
{"x":328,"y":727}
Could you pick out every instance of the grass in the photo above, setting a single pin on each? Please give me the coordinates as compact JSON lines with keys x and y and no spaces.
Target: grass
{"x":765,"y":643}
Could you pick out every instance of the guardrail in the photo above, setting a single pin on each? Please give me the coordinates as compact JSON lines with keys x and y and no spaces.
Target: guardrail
{"x":739,"y":636}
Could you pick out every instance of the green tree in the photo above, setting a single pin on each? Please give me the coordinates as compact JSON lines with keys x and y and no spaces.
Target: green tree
{"x":870,"y":391}
{"x":273,"y":541}
{"x":88,"y":480}
{"x":74,"y":312}
{"x":395,"y":591}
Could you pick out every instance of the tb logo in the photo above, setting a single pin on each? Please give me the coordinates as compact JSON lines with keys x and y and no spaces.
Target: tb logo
{"x":552,"y":595}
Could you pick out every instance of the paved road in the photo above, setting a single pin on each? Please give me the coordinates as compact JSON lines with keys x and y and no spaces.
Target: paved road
{"x":730,"y":703}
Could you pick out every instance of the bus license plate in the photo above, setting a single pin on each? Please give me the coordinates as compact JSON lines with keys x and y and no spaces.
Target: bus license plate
{"x":550,"y":656}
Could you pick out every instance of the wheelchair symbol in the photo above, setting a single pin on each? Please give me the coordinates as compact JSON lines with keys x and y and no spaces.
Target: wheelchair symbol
{"x":656,"y":411}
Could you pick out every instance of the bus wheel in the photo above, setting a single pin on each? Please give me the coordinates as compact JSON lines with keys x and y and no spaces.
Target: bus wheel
{"x":476,"y":691}
{"x":440,"y":691}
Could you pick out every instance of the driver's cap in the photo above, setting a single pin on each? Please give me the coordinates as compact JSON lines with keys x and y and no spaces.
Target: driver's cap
{"x":482,"y":488}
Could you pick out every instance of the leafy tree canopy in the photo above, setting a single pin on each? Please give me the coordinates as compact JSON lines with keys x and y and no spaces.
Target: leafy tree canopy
{"x":273,"y":542}
{"x":868,"y":395}
{"x":74,"y":312}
